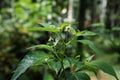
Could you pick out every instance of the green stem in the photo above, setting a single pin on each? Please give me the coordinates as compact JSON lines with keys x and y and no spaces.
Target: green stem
{"x":57,"y":56}
{"x":62,"y":70}
{"x":62,"y":38}
{"x":61,"y":60}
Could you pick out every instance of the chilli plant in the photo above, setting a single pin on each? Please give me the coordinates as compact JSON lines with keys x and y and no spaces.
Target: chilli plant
{"x":56,"y":57}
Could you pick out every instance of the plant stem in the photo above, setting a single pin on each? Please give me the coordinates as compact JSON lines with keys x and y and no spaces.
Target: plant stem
{"x":57,"y":56}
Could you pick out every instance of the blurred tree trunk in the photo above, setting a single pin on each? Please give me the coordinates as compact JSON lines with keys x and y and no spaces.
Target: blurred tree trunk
{"x":70,"y":11}
{"x":12,"y":6}
{"x":98,"y":10}
{"x":93,"y":11}
{"x":103,"y":10}
{"x":81,"y":20}
{"x":108,"y":14}
{"x":111,"y":15}
{"x":2,"y":4}
{"x":113,"y":20}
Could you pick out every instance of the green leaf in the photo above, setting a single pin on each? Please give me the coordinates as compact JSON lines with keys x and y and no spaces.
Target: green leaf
{"x":92,"y":46}
{"x":45,"y":25}
{"x":60,"y":47}
{"x":115,"y":28}
{"x":77,"y":76}
{"x":66,"y":63}
{"x":55,"y":30}
{"x":63,"y":25}
{"x":69,"y":76}
{"x":70,"y":62}
{"x":97,"y":25}
{"x":25,"y":1}
{"x":72,"y":31}
{"x":85,"y":33}
{"x":42,"y":46}
{"x":88,"y":59}
{"x":28,"y":61}
{"x":48,"y":76}
{"x":56,"y":66}
{"x":81,"y":76}
{"x":104,"y":67}
{"x":88,"y":67}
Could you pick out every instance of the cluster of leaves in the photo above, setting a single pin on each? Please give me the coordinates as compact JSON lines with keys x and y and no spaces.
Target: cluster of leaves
{"x":53,"y":57}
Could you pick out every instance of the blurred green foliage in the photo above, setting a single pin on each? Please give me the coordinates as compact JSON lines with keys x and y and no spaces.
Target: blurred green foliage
{"x":107,"y":40}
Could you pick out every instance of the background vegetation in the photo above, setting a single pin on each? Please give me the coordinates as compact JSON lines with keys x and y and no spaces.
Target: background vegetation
{"x":100,"y":16}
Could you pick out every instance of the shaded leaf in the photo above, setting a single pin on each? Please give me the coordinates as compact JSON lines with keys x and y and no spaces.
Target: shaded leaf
{"x":104,"y":67}
{"x":92,"y":46}
{"x":88,"y":67}
{"x":77,"y":76}
{"x":56,"y":66}
{"x":72,"y":62}
{"x":115,"y":28}
{"x":81,"y":76}
{"x":66,"y":63}
{"x":48,"y":76}
{"x":69,"y":76}
{"x":29,"y":60}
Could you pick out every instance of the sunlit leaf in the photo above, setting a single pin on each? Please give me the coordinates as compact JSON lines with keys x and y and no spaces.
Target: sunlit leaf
{"x":42,"y":46}
{"x":65,"y":24}
{"x":45,"y":25}
{"x":28,"y":61}
{"x":97,"y":25}
{"x":85,"y":33}
{"x":55,"y":30}
{"x":90,"y":58}
{"x":71,"y":30}
{"x":26,"y":1}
